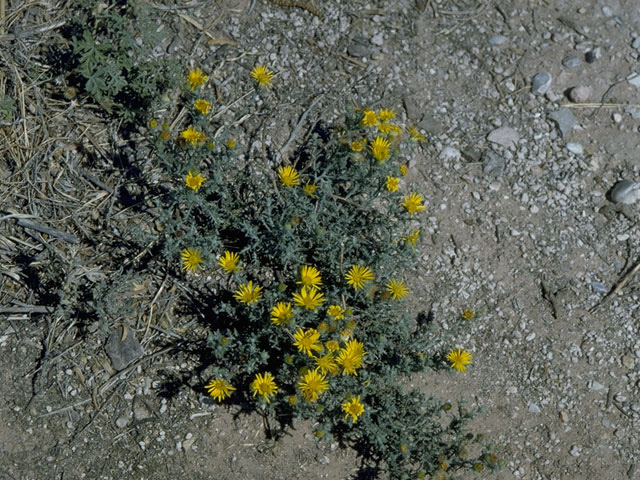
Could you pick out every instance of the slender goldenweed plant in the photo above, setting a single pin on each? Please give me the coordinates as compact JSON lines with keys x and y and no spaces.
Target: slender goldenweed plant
{"x":307,"y":260}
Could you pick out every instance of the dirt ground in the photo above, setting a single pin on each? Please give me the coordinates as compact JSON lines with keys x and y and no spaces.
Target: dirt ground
{"x":521,"y":229}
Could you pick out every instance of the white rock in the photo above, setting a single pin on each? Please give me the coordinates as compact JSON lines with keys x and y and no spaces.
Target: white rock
{"x":450,"y":153}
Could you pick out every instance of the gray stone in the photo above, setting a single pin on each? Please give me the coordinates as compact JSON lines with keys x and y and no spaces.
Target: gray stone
{"x":358,"y":50}
{"x":533,"y":408}
{"x":122,"y":422}
{"x":492,"y":163}
{"x":505,"y":136}
{"x":122,"y":352}
{"x":450,"y":153}
{"x":576,"y":148}
{"x":564,"y":119}
{"x":140,"y":410}
{"x":606,"y":11}
{"x":575,"y":451}
{"x":628,"y":361}
{"x":634,"y":79}
{"x":625,"y":191}
{"x":636,"y":43}
{"x":497,"y":40}
{"x":541,"y":83}
{"x":580,"y":94}
{"x":414,"y":112}
{"x":593,"y":55}
{"x":599,"y":287}
{"x":571,"y":61}
{"x":594,"y":386}
{"x":378,"y":39}
{"x":431,"y":124}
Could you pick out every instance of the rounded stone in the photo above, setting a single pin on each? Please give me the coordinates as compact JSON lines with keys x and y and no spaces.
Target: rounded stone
{"x":541,"y":83}
{"x":580,"y":94}
{"x":571,"y":61}
{"x":625,"y":191}
{"x":497,"y":40}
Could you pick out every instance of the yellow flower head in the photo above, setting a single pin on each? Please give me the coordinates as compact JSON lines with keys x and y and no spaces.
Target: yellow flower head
{"x":358,"y":145}
{"x":194,"y":182}
{"x":231,"y":144}
{"x":358,"y":276}
{"x":153,"y":123}
{"x":247,"y":293}
{"x":307,"y":341}
{"x":202,"y":106}
{"x":309,"y":298}
{"x":392,"y":183}
{"x":386,"y":115}
{"x":350,"y":357}
{"x":310,"y":189}
{"x":229,"y":261}
{"x":309,"y":277}
{"x":397,"y":289}
{"x":191,"y":259}
{"x":413,"y":203}
{"x":327,"y":364}
{"x":387,"y":128}
{"x":403,"y":170}
{"x":193,"y":136}
{"x":262,"y":75}
{"x":264,"y":385}
{"x":459,"y":359}
{"x":336,"y":311}
{"x":353,"y":408}
{"x":416,"y":135}
{"x":412,"y":238}
{"x":289,"y":176}
{"x":219,"y":389}
{"x":468,"y":314}
{"x":332,"y":346}
{"x":380,"y":149}
{"x":281,"y":313}
{"x":369,"y":118}
{"x":312,"y":385}
{"x":196,"y":78}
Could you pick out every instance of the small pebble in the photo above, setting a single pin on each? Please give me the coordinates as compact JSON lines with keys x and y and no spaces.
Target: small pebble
{"x":377,"y":39}
{"x":634,"y":79}
{"x":625,"y":191}
{"x":617,"y":117}
{"x":450,"y":153}
{"x":505,"y":136}
{"x":571,"y":61}
{"x":122,"y":422}
{"x":533,"y":408}
{"x":592,"y":55}
{"x":628,"y":361}
{"x":575,"y":451}
{"x":492,"y":163}
{"x":358,"y":50}
{"x":564,"y":119}
{"x":606,"y":11}
{"x":636,"y":43}
{"x":599,"y":287}
{"x":576,"y":148}
{"x":580,"y":94}
{"x":594,"y":386}
{"x":497,"y":40}
{"x":541,"y":83}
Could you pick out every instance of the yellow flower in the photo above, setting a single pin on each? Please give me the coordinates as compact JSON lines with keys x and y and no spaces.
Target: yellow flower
{"x":196,"y":78}
{"x":336,"y":311}
{"x":191,"y":259}
{"x":153,"y":123}
{"x":307,"y":341}
{"x":194,"y":182}
{"x":309,"y":277}
{"x":312,"y":385}
{"x":357,"y":146}
{"x":385,"y":115}
{"x":386,"y":128}
{"x":392,"y":183}
{"x":413,"y":203}
{"x":193,"y":136}
{"x":416,"y":135}
{"x":281,"y":313}
{"x":468,"y":314}
{"x":247,"y":293}
{"x":412,"y":238}
{"x":264,"y":385}
{"x":219,"y":389}
{"x":358,"y":276}
{"x":403,"y":170}
{"x":288,"y":176}
{"x":369,"y":118}
{"x":380,"y":149}
{"x":327,"y":364}
{"x":262,"y":75}
{"x":397,"y":289}
{"x":310,"y":189}
{"x":350,"y":357}
{"x":353,"y":408}
{"x":229,"y":261}
{"x":165,"y":135}
{"x":459,"y":359}
{"x":332,"y":346}
{"x":202,"y":106}
{"x":231,"y":144}
{"x":293,"y":399}
{"x":309,"y":298}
